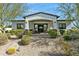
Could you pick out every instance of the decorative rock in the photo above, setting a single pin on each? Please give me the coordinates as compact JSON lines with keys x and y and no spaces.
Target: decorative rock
{"x":13,"y":36}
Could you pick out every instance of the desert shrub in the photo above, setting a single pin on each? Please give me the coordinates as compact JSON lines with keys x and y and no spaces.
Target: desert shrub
{"x":52,"y":33}
{"x":67,"y":37}
{"x":66,"y":32}
{"x":65,"y":47}
{"x":75,"y":34}
{"x":17,"y":32}
{"x":28,"y":33}
{"x":72,"y":31}
{"x":11,"y":50}
{"x":72,"y":34}
{"x":3,"y":39}
{"x":75,"y":45}
{"x":25,"y":39}
{"x":62,"y":31}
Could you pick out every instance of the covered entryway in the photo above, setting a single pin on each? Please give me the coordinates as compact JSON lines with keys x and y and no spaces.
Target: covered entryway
{"x":41,"y":22}
{"x":40,"y":26}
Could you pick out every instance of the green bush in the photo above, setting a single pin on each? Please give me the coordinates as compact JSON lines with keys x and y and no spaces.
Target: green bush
{"x":53,"y":33}
{"x":25,"y":39}
{"x":67,"y":37}
{"x":62,"y":31}
{"x":3,"y":39}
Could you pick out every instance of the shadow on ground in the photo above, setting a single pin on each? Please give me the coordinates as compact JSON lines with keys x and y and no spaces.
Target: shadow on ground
{"x":43,"y":53}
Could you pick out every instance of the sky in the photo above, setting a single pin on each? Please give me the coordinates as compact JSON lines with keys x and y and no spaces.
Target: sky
{"x":51,"y":8}
{"x":43,"y":7}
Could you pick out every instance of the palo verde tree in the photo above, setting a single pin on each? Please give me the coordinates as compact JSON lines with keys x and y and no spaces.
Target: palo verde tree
{"x":67,"y":10}
{"x":70,"y":12}
{"x":76,"y":24}
{"x":9,"y":11}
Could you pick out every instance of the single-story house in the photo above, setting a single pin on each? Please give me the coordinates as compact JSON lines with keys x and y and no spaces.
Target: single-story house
{"x":41,"y":22}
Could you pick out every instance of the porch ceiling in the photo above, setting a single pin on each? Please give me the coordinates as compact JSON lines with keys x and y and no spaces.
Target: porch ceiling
{"x":34,"y":18}
{"x":40,"y":20}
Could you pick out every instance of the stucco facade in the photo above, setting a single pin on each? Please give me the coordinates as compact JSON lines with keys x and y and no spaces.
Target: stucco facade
{"x":39,"y":21}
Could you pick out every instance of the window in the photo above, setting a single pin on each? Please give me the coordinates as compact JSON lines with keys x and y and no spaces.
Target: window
{"x":62,"y":26}
{"x":20,"y":26}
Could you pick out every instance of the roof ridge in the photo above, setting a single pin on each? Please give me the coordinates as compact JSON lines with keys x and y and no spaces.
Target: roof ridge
{"x":42,"y":13}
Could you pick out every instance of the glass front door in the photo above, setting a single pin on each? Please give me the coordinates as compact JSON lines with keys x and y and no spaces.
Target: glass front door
{"x":40,"y":27}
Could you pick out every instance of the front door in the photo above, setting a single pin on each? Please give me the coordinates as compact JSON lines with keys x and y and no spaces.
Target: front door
{"x":40,"y":28}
